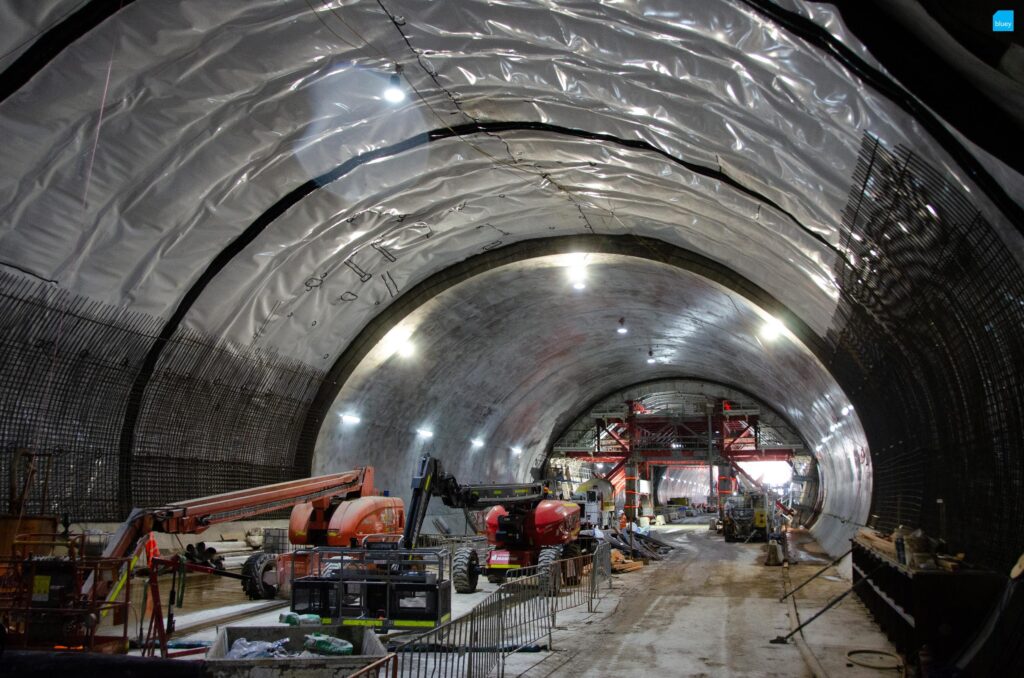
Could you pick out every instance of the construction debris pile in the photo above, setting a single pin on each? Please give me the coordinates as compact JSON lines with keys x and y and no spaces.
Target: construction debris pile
{"x":631,"y":547}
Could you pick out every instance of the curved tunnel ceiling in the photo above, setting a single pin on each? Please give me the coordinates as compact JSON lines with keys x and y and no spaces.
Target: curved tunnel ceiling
{"x":513,"y":355}
{"x":234,"y":172}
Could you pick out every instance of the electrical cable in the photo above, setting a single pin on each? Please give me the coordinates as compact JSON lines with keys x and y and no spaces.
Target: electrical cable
{"x":898,"y":665}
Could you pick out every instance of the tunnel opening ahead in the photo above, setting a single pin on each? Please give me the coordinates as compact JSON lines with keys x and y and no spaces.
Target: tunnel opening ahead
{"x":488,"y":373}
{"x":697,"y":444}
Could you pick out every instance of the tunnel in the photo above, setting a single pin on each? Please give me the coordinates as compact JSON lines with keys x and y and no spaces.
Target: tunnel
{"x":243,"y":243}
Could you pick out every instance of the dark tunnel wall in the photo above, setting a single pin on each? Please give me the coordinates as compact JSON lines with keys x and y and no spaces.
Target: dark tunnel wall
{"x":928,"y":348}
{"x":214,"y":417}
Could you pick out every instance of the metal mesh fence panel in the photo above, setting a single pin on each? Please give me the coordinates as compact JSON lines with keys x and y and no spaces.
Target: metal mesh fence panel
{"x":214,"y":418}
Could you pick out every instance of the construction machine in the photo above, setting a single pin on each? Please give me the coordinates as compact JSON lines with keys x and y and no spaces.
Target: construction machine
{"x":525,"y":527}
{"x":745,"y":518}
{"x":54,"y":594}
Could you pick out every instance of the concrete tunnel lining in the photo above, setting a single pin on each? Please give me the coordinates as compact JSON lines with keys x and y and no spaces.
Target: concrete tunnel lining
{"x":512,"y":354}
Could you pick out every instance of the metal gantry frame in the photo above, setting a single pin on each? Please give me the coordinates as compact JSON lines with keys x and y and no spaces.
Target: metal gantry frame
{"x":669,"y":427}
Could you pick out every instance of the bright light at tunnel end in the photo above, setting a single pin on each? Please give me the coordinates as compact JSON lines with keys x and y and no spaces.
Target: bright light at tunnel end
{"x":424,"y":433}
{"x":350,"y":419}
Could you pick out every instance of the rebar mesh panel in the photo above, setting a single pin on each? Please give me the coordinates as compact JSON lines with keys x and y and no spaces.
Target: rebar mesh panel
{"x":929,"y":327}
{"x":66,"y":367}
{"x":214,"y":418}
{"x":218,"y":419}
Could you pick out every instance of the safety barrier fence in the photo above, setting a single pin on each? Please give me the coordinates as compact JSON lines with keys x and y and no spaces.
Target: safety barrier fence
{"x":386,"y":667}
{"x":518,"y":616}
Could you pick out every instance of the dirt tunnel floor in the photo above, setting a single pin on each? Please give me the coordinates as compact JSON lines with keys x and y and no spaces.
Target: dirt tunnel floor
{"x":707,"y":610}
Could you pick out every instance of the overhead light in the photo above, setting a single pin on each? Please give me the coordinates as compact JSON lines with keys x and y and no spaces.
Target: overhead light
{"x":517,"y":450}
{"x":424,"y":433}
{"x":846,"y":410}
{"x":932,"y":211}
{"x":350,"y":419}
{"x":772,"y":328}
{"x":477,"y":442}
{"x":577,"y":270}
{"x":394,"y":93}
{"x":398,"y":341}
{"x":833,"y":427}
{"x":650,"y":357}
{"x":622,"y":330}
{"x":622,"y":326}
{"x":676,"y":446}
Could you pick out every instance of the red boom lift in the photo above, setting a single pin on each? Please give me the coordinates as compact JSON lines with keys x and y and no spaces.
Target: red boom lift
{"x":334,"y":510}
{"x":524,"y":527}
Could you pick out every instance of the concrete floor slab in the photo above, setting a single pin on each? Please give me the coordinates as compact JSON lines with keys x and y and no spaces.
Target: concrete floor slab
{"x":708,"y":610}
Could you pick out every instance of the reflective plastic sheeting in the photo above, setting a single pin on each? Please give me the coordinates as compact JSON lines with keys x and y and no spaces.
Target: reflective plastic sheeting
{"x":215,"y":110}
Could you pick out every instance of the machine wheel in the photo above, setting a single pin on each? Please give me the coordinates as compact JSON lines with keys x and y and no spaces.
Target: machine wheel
{"x":261,"y":570}
{"x":548,"y":573}
{"x":465,"y":570}
{"x":571,"y":572}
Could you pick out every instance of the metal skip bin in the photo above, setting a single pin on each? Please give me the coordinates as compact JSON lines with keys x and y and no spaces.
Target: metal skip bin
{"x":367,"y":650}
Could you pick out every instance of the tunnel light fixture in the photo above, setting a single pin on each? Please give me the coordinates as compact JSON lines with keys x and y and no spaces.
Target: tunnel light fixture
{"x":517,"y":450}
{"x":350,"y":419}
{"x":650,"y":357}
{"x":772,"y":329}
{"x":399,"y":342}
{"x":577,"y":270}
{"x":676,"y":446}
{"x":424,"y":433}
{"x":846,"y":411}
{"x":395,"y":94}
{"x":622,"y":330}
{"x":932,"y":211}
{"x":477,"y":443}
{"x":833,"y":427}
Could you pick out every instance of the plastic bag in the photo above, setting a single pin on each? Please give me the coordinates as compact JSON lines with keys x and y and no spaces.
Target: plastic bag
{"x":293,"y":619}
{"x":257,"y":649}
{"x":324,"y":644}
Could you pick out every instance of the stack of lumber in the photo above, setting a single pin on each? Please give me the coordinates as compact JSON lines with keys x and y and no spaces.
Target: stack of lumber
{"x":620,"y":563}
{"x":878,"y":543}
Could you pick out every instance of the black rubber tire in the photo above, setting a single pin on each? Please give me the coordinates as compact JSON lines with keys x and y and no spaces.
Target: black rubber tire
{"x":548,"y":574}
{"x":465,"y":570}
{"x":256,"y":568}
{"x":571,"y":572}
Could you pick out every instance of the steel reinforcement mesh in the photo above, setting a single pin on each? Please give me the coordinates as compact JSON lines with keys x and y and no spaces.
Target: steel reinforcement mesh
{"x":928,"y":346}
{"x":213,"y":418}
